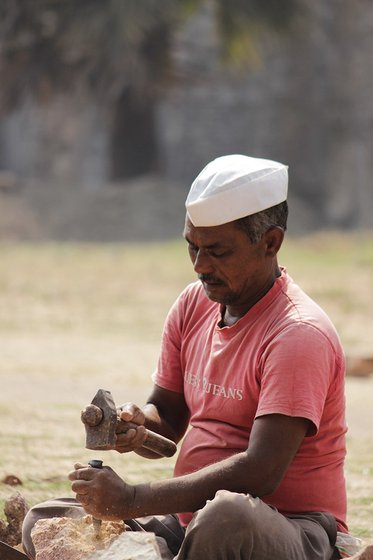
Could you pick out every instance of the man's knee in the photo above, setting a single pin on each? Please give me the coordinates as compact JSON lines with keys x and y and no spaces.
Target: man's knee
{"x":226,"y":526}
{"x":229,"y":512}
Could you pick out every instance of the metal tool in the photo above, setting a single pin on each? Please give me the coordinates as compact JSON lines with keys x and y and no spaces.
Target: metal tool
{"x":9,"y":553}
{"x":96,"y":464}
{"x":102,"y":422}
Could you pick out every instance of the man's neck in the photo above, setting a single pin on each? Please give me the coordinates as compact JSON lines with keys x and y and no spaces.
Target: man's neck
{"x":230,"y":314}
{"x":228,"y":320}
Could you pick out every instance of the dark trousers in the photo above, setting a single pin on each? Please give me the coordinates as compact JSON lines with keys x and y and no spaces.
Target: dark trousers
{"x":230,"y":527}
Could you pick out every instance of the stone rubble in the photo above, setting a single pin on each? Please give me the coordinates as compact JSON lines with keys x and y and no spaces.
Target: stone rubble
{"x":65,"y":538}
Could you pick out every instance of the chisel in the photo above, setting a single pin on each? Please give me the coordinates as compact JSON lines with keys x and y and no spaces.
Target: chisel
{"x":96,"y":464}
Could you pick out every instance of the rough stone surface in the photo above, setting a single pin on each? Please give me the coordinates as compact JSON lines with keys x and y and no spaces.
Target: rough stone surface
{"x":130,"y":546}
{"x":64,"y":538}
{"x":15,"y":510}
{"x":364,"y":554}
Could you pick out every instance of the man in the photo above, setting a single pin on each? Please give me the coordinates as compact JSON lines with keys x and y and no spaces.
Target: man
{"x":255,"y":369}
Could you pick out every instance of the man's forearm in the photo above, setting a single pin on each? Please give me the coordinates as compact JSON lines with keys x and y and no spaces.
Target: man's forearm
{"x":190,"y":492}
{"x":154,"y":422}
{"x":274,"y":441}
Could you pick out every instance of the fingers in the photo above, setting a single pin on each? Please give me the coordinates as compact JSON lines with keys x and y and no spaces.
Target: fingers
{"x":128,"y":437}
{"x":83,"y":473}
{"x":76,"y":473}
{"x":130,"y":440}
{"x":129,"y":412}
{"x":83,"y":479}
{"x":80,"y":485}
{"x":83,"y":499}
{"x":101,"y":492}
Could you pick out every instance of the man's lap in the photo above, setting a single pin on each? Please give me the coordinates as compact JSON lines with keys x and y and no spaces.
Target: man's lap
{"x":313,"y":531}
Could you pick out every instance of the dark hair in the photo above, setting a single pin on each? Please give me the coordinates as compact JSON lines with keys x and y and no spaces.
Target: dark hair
{"x":257,"y":224}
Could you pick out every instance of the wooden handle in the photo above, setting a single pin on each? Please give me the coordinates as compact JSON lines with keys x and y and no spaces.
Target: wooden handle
{"x":154,"y":442}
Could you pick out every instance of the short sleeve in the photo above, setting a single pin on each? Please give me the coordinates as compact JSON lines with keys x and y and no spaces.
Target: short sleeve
{"x":296,"y":371}
{"x":168,"y":374}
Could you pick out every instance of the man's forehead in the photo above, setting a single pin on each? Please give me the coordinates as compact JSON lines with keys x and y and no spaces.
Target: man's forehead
{"x":210,"y":235}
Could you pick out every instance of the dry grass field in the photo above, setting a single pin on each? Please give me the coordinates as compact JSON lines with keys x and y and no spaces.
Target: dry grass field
{"x":75,"y":318}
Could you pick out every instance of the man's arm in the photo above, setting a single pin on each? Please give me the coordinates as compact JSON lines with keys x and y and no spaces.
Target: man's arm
{"x":274,"y":441}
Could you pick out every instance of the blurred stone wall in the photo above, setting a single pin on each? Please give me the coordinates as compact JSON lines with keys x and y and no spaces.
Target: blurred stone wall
{"x":61,"y":141}
{"x":303,"y":98}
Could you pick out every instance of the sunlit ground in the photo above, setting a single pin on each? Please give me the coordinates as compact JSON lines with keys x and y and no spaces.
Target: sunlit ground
{"x":75,"y":318}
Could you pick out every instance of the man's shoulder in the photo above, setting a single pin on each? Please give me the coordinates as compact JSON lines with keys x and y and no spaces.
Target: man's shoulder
{"x":304,"y":307}
{"x":302,"y":312}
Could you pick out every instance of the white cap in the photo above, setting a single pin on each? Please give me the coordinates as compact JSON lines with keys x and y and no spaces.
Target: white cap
{"x":235,"y":186}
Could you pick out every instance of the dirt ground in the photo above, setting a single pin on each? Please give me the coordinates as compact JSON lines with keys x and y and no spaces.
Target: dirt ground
{"x":59,"y":343}
{"x":43,"y":416}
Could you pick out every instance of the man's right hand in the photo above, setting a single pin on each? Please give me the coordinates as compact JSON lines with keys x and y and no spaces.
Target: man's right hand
{"x":129,"y":439}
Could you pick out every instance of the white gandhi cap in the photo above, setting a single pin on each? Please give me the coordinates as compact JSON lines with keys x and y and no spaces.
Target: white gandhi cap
{"x":235,"y":186}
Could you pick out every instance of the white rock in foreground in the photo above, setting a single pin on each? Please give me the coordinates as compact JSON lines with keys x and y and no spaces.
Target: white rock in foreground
{"x":130,"y":546}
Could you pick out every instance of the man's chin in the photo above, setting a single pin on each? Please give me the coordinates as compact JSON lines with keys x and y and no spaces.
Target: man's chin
{"x":215,"y":292}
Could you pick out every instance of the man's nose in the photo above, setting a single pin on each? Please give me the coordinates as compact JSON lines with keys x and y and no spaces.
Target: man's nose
{"x":202,"y":262}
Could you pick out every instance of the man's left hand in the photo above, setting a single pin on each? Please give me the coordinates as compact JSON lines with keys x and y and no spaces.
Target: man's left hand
{"x":102,"y":492}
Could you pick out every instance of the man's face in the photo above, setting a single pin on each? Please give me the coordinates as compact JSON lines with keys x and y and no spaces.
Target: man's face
{"x":233,"y":271}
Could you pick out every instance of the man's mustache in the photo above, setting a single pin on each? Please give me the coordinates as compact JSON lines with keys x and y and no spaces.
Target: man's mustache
{"x":209,"y":278}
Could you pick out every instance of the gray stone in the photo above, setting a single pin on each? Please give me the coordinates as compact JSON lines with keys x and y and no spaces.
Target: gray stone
{"x":130,"y":546}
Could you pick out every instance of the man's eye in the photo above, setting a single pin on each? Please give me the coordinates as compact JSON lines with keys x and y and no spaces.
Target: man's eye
{"x":192,"y":248}
{"x":218,"y":254}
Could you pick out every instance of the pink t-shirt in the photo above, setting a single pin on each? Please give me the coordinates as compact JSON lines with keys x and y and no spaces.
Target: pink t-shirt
{"x":282,"y":357}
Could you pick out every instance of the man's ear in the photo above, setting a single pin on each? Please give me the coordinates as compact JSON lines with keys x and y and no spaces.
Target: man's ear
{"x":273,"y":239}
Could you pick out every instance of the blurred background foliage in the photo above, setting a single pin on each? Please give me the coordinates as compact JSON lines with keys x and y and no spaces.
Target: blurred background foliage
{"x":140,"y":94}
{"x":50,"y":43}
